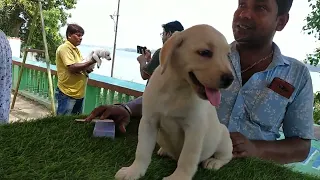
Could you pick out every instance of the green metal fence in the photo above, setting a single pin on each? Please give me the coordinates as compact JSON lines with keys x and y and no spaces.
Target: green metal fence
{"x":100,"y":89}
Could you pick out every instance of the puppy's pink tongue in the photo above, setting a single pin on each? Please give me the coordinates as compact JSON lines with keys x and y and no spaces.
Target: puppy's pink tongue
{"x":213,"y":95}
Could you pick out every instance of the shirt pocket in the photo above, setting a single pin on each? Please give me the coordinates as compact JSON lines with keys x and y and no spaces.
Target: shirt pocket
{"x":267,"y":109}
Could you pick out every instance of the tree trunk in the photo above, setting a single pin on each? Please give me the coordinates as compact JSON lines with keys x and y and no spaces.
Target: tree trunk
{"x":15,"y":27}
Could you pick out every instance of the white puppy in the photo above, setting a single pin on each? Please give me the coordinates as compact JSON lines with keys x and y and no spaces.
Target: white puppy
{"x":178,"y":105}
{"x":97,"y":55}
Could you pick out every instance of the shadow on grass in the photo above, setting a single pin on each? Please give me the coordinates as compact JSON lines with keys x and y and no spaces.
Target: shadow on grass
{"x":59,"y":148}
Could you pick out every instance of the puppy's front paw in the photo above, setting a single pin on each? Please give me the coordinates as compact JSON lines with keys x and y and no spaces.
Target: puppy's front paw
{"x":128,"y":173}
{"x":213,"y":163}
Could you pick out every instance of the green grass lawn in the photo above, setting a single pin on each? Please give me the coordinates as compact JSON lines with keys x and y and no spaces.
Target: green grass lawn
{"x":59,"y":148}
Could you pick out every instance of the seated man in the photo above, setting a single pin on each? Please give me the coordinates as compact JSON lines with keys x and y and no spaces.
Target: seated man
{"x":270,"y":90}
{"x":148,"y":64}
{"x":5,"y":78}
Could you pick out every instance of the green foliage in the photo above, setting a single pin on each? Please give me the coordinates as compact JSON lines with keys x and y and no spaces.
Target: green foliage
{"x":312,"y":27}
{"x":16,"y":20}
{"x":316,"y":111}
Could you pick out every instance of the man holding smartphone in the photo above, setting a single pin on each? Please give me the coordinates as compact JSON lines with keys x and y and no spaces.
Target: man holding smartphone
{"x":147,"y":63}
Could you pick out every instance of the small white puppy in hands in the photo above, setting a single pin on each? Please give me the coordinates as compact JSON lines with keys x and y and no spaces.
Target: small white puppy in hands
{"x":97,"y":55}
{"x":178,"y":109}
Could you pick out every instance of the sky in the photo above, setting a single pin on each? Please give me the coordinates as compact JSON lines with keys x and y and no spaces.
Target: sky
{"x":140,"y":22}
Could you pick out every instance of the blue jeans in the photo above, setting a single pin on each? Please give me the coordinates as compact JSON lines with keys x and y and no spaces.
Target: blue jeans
{"x":68,"y":105}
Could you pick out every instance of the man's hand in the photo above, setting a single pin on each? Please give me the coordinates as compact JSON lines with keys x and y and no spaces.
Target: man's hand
{"x":117,"y":113}
{"x":89,"y":70}
{"x":142,"y":60}
{"x":243,"y":147}
{"x":283,"y":151}
{"x":147,"y":55}
{"x":144,"y":57}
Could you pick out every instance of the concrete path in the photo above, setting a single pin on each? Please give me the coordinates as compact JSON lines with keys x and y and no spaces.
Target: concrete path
{"x":25,"y":109}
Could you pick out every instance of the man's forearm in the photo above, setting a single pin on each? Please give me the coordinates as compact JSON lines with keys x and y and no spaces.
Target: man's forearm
{"x":78,"y":67}
{"x":144,"y":75}
{"x":136,"y":107}
{"x":284,"y":151}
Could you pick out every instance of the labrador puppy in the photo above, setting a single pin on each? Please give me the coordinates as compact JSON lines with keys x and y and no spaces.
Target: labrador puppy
{"x":179,"y":102}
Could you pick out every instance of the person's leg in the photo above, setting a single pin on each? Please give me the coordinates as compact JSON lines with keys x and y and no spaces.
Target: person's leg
{"x":5,"y":78}
{"x":65,"y":103}
{"x":78,"y":107}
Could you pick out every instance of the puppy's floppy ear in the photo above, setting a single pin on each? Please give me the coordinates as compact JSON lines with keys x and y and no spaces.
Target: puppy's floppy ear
{"x":174,"y":42}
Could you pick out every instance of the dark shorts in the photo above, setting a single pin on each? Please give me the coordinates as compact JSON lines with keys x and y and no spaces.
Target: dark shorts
{"x":68,"y":105}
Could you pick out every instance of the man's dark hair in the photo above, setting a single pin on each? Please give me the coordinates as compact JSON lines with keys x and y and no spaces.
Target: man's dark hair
{"x":73,"y":29}
{"x":173,"y":26}
{"x":284,"y":6}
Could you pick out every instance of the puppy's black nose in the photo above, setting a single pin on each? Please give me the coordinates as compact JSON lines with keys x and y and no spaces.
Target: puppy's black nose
{"x":226,"y":80}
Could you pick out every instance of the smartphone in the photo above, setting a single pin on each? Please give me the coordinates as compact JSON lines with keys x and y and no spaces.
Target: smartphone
{"x":141,"y":50}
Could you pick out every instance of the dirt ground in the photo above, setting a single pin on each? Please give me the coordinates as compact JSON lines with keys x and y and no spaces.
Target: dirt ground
{"x":25,"y":109}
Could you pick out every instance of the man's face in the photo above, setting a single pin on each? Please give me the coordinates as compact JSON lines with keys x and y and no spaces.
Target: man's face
{"x":75,"y":39}
{"x":256,"y":21}
{"x":165,"y":36}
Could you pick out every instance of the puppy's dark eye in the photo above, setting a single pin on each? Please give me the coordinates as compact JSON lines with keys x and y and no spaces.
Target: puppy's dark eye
{"x":205,"y":53}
